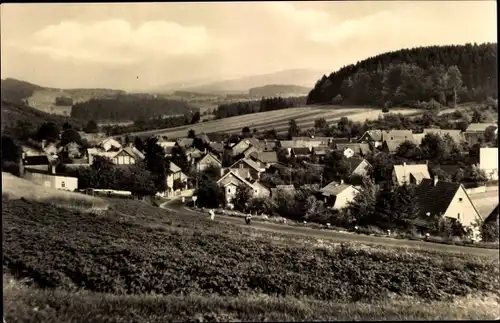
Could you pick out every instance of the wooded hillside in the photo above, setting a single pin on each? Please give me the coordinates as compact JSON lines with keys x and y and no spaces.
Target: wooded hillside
{"x":442,"y":73}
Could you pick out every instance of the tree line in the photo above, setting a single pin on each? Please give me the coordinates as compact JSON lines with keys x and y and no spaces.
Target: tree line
{"x":265,"y":104}
{"x":130,"y":107}
{"x":445,"y":74}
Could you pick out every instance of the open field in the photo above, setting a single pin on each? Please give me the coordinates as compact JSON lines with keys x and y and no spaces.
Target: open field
{"x":137,"y":262}
{"x":16,"y":188}
{"x":45,"y":99}
{"x":304,"y":116}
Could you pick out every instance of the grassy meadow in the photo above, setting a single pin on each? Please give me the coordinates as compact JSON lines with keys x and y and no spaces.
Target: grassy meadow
{"x":137,"y":263}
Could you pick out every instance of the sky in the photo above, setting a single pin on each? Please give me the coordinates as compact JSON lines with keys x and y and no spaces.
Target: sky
{"x":140,"y":45}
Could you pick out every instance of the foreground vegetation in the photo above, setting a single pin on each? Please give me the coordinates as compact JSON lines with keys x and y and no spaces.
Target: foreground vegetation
{"x":138,"y":249}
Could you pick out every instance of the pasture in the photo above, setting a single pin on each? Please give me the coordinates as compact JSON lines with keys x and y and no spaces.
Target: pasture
{"x":14,"y":187}
{"x":137,"y":263}
{"x":278,"y":119}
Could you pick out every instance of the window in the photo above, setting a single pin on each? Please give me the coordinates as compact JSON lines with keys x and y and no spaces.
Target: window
{"x":229,"y":190}
{"x":241,"y":165}
{"x":458,"y":217}
{"x":63,"y":185}
{"x":460,"y":199}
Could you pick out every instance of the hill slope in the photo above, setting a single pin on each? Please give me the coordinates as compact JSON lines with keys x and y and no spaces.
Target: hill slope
{"x":414,"y":74}
{"x":274,"y":90}
{"x":12,"y":113}
{"x":300,"y":77}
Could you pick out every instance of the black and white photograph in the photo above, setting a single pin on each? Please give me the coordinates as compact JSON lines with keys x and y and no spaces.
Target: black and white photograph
{"x":249,"y":161}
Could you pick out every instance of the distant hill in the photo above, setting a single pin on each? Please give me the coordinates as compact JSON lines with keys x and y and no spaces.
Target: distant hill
{"x":410,"y":75}
{"x":275,"y":90}
{"x":299,"y":77}
{"x":12,"y":113}
{"x":44,"y":98}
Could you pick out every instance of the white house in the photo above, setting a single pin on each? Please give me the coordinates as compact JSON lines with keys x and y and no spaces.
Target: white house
{"x":488,"y":162}
{"x":410,"y":173}
{"x":176,"y":182}
{"x":207,"y":161}
{"x":50,"y":179}
{"x":231,"y":181}
{"x":339,"y":195}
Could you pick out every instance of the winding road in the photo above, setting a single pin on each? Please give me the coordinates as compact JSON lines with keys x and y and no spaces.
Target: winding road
{"x":177,"y":206}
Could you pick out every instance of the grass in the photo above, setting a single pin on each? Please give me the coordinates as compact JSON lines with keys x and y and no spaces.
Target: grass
{"x":27,"y":304}
{"x":137,"y":263}
{"x":16,"y":188}
{"x":304,"y":116}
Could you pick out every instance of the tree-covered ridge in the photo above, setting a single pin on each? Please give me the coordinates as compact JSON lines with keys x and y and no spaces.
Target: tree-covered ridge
{"x":265,"y":104}
{"x":410,"y":75}
{"x":130,"y":107}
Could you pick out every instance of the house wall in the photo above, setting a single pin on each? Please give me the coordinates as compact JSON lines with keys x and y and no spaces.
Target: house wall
{"x":58,"y":182}
{"x":345,"y":197}
{"x":462,"y":210}
{"x":207,"y":162}
{"x":362,"y":169}
{"x":123,"y":160}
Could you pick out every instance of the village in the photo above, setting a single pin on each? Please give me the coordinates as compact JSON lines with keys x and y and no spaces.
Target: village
{"x":266,"y":168}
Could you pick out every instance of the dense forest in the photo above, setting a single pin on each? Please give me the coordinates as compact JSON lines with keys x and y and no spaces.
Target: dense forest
{"x":265,"y":104}
{"x":16,"y":91}
{"x":445,"y":74}
{"x":277,"y":89}
{"x":130,"y":107}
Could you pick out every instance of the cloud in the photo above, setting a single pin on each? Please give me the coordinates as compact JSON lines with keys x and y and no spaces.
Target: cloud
{"x":116,"y":41}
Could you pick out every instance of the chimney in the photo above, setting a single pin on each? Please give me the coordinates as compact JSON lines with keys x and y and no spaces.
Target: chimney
{"x":341,"y":182}
{"x":435,"y":180}
{"x":52,"y":168}
{"x":404,"y":164}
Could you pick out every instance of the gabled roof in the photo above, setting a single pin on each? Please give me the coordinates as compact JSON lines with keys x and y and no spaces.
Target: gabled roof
{"x":493,"y":216}
{"x":185,"y":142}
{"x":361,"y":148}
{"x":265,"y":156}
{"x":231,"y":173}
{"x":134,"y":152}
{"x":335,"y":141}
{"x":404,"y":171}
{"x":418,"y":137}
{"x":334,"y":189}
{"x":355,"y":162}
{"x":376,"y":135}
{"x":397,"y":134}
{"x":217,"y":146}
{"x":174,"y":168}
{"x":209,"y":155}
{"x":479,"y":127}
{"x":301,"y":151}
{"x":436,"y":199}
{"x":241,"y":172}
{"x":249,"y":162}
{"x":393,"y":145}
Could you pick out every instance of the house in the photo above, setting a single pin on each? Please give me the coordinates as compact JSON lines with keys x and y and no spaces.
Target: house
{"x":359,"y":166}
{"x":231,"y":181}
{"x":245,"y":144}
{"x":335,"y":141}
{"x":184,"y":142}
{"x":474,"y":137}
{"x":310,"y":142}
{"x":165,"y":144}
{"x":217,"y":148}
{"x":285,"y":189}
{"x":269,"y":145}
{"x":488,"y":162}
{"x":125,"y":156}
{"x":209,"y":160}
{"x":50,"y":148}
{"x":391,"y":146}
{"x":176,"y":182}
{"x":481,"y":127}
{"x":253,"y":167}
{"x":300,"y":152}
{"x":250,"y":150}
{"x":400,"y":135}
{"x":193,"y":154}
{"x":373,"y":137}
{"x":410,"y":173}
{"x":337,"y":195}
{"x":456,"y":135}
{"x":354,"y":149}
{"x":110,"y":144}
{"x":50,"y":179}
{"x":444,"y":199}
{"x":265,"y":158}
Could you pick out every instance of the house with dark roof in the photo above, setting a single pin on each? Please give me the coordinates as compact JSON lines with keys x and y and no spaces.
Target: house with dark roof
{"x":338,"y":196}
{"x":300,"y":152}
{"x":245,"y":144}
{"x":444,"y":199}
{"x":391,"y":146}
{"x":373,"y":137}
{"x":253,"y":167}
{"x":359,"y":166}
{"x":265,"y":158}
{"x":185,"y":142}
{"x":354,"y":149}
